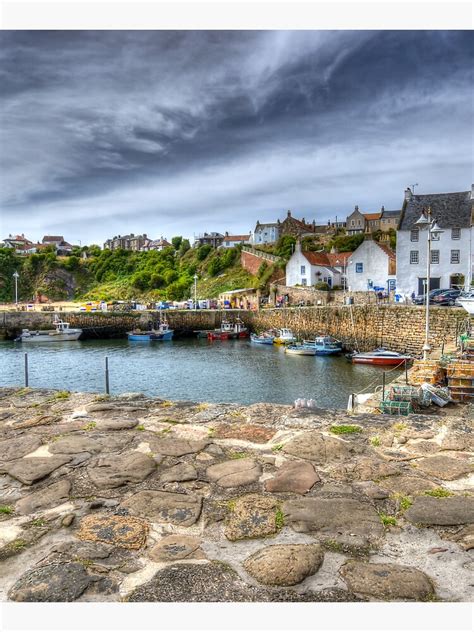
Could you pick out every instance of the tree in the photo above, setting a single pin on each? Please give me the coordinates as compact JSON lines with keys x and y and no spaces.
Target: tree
{"x":203,"y":251}
{"x":285,"y":246}
{"x":177,"y":241}
{"x":184,"y":247}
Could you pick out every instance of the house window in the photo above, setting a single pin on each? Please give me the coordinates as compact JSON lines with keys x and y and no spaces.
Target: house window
{"x":304,"y":282}
{"x":303,"y":269}
{"x":455,"y":256}
{"x":455,"y":233}
{"x":435,"y":256}
{"x":359,"y":267}
{"x":352,"y":222}
{"x":414,"y":256}
{"x":414,"y":234}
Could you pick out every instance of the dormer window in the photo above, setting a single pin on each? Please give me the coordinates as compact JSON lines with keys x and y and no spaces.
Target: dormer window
{"x":455,"y":233}
{"x":414,"y":234}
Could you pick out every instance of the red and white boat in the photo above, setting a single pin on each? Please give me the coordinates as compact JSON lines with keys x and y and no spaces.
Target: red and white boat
{"x":229,"y":330}
{"x":380,"y":356}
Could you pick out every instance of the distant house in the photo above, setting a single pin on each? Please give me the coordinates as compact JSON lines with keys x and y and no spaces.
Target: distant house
{"x":372,"y":265}
{"x":389,"y":219}
{"x":126,"y":242}
{"x":355,"y":222}
{"x":61,"y":246}
{"x":20,"y":244}
{"x":452,"y":254}
{"x":209,"y":239}
{"x":157,"y":244}
{"x":265,"y":233}
{"x":234,"y":240}
{"x":296,"y":227}
{"x":308,"y":268}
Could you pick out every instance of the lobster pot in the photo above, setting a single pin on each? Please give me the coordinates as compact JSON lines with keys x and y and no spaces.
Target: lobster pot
{"x":412,"y":394}
{"x":387,"y":407}
{"x":461,"y":380}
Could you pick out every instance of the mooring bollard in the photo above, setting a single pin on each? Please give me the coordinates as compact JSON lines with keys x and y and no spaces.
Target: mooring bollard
{"x":107,"y":388}
{"x":26,"y":370}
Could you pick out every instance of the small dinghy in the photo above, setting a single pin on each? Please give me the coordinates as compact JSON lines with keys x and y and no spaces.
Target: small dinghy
{"x":305,"y":350}
{"x":380,"y":356}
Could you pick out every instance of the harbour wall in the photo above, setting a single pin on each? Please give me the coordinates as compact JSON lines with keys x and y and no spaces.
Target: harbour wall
{"x":397,"y":327}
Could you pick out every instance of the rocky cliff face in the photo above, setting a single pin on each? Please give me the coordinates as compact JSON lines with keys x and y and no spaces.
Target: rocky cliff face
{"x":138,"y":499}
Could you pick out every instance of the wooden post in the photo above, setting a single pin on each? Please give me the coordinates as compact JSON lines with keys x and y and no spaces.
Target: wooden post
{"x":26,"y":370}
{"x":107,"y":387}
{"x":383,"y":386}
{"x":406,"y":372}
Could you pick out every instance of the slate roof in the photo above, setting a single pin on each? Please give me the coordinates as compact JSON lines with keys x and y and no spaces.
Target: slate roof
{"x":451,"y":210}
{"x":390,"y":214}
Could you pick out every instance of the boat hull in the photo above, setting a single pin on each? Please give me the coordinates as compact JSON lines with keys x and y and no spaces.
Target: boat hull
{"x":261,"y":341}
{"x":379,"y":361}
{"x":324,"y":352}
{"x":300,"y":351}
{"x":53,"y":337}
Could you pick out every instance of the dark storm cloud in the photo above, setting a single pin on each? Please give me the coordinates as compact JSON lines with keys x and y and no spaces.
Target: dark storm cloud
{"x":179,"y":132}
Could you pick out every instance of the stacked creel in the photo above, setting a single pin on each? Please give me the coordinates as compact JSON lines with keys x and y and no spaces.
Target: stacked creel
{"x":461,"y":380}
{"x":427,"y":371}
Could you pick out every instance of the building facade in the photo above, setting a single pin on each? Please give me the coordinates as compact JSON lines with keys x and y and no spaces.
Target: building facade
{"x":126,"y":242}
{"x":234,"y":240}
{"x":265,"y":233}
{"x":452,"y":251}
{"x":372,"y":265}
{"x":309,"y":268}
{"x":209,"y":239}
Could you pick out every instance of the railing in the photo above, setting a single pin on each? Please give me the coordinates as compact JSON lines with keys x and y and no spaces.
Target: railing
{"x":260,"y":253}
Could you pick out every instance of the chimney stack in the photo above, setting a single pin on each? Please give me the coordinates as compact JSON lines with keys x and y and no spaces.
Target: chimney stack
{"x":472,"y":192}
{"x":408,"y":194}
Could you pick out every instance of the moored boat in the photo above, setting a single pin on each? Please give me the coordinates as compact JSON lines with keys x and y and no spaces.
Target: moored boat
{"x":380,"y":356}
{"x":265,"y":338}
{"x":61,"y":333}
{"x":163,"y":332}
{"x":285,"y":336}
{"x":229,"y":330}
{"x":305,"y":350}
{"x":325,"y":345}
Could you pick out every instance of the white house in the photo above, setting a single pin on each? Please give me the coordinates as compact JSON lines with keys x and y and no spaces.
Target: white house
{"x":265,"y":233}
{"x":309,"y":268}
{"x":451,"y":252}
{"x":372,"y":265}
{"x":234,"y":240}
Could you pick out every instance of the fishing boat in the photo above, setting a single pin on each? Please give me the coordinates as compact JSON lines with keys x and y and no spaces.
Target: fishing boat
{"x":202,"y":333}
{"x":324,"y":345}
{"x":306,"y":350}
{"x":379,"y":356}
{"x":229,"y":330}
{"x":265,"y":338}
{"x":163,"y":332}
{"x":285,"y":336}
{"x":62,"y":332}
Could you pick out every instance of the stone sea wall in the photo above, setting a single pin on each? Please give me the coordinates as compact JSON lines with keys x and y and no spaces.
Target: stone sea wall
{"x":137,"y":499}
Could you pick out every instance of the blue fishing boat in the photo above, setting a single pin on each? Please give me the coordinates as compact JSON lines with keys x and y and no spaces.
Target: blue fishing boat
{"x":324,"y":345}
{"x":265,"y":338}
{"x":163,"y":332}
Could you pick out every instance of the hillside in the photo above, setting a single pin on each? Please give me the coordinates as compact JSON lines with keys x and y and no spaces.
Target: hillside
{"x":123,"y":275}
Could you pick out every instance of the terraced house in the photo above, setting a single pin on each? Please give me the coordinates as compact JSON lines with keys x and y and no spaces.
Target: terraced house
{"x":452,"y":251}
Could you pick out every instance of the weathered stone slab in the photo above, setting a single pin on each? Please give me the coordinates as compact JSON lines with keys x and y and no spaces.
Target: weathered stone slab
{"x":314,"y":446}
{"x":441,"y":511}
{"x":387,"y":582}
{"x":284,"y":564}
{"x":252,"y":516}
{"x":116,"y":470}
{"x":333,"y":516}
{"x":122,"y":531}
{"x":212,"y":582}
{"x":115,"y":424}
{"x":18,"y":446}
{"x":246,"y":432}
{"x":74,"y":444}
{"x":50,"y":496}
{"x":177,"y":547}
{"x":179,"y":509}
{"x":373,"y":469}
{"x":32,"y":469}
{"x":235,"y":472}
{"x":408,"y":485}
{"x":445,"y":467}
{"x":55,"y":582}
{"x":179,"y":473}
{"x":295,"y":476}
{"x":178,"y":447}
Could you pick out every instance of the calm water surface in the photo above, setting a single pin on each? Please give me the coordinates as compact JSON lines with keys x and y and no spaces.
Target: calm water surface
{"x":188,"y":369}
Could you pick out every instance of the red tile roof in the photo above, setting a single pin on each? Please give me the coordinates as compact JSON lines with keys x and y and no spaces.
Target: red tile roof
{"x":236,"y":237}
{"x":325,"y":259}
{"x":370,"y":216}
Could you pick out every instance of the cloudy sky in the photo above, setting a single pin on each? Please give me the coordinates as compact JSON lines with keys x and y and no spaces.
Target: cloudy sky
{"x":184,"y":132}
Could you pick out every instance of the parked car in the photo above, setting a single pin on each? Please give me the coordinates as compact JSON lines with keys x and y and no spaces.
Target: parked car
{"x":446,"y":298}
{"x":421,"y":298}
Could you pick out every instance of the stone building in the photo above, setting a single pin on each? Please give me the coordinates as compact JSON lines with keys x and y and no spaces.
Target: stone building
{"x":372,"y":265}
{"x":452,"y":252}
{"x":389,"y":219}
{"x":209,"y":239}
{"x":234,"y":240}
{"x":126,"y":242}
{"x":265,"y":233}
{"x":297,"y":227}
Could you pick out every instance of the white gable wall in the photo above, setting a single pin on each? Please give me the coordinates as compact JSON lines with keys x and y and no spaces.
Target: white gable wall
{"x":374,"y":263}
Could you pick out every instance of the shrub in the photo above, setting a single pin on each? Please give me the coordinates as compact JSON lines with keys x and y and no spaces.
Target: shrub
{"x":321,"y":285}
{"x":203,"y":251}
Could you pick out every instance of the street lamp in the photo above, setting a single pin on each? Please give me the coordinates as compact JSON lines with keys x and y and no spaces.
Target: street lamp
{"x":16,"y":277}
{"x":195,"y":291}
{"x":433,"y":231}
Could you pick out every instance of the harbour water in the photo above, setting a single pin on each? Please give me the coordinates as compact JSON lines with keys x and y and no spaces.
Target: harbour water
{"x":188,"y":369}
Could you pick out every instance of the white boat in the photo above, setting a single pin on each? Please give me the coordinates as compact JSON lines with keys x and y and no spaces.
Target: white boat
{"x":301,"y":350}
{"x":285,"y":336}
{"x":61,"y":333}
{"x":468,"y":304}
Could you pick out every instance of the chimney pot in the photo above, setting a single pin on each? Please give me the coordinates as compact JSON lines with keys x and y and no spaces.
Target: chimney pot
{"x":408,"y":194}
{"x":288,"y":214}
